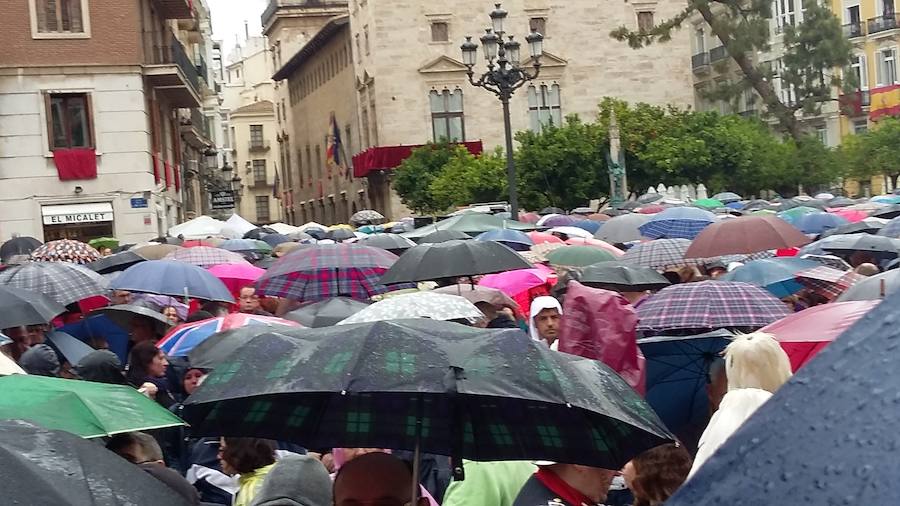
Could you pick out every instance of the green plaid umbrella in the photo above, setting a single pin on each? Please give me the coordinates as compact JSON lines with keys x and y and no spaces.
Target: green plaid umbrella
{"x":449,"y":387}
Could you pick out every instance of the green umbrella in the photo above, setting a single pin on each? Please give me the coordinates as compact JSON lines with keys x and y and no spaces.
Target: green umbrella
{"x":708,"y":203}
{"x":578,"y":256}
{"x":84,"y":408}
{"x":104,"y":242}
{"x":471,"y":224}
{"x":795,"y":213}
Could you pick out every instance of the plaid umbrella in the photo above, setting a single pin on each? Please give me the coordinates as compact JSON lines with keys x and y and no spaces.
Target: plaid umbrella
{"x":661,"y":254}
{"x":709,"y":305}
{"x":204,"y":256}
{"x":828,"y":282}
{"x":65,"y":250}
{"x":438,"y":386}
{"x":326,"y":271}
{"x":436,"y":306}
{"x":677,"y":222}
{"x":63,"y":282}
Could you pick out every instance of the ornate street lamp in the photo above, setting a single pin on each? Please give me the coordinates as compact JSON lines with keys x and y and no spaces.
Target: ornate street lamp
{"x":503,"y":77}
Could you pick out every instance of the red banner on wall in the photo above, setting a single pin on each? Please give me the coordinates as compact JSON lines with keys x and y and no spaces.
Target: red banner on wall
{"x":77,"y":163}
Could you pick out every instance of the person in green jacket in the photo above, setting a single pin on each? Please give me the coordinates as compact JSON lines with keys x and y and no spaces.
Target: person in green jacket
{"x":489,"y":483}
{"x":252,"y":459}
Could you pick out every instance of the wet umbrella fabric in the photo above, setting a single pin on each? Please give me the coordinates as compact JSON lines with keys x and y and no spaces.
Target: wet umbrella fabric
{"x":237,"y":276}
{"x":826,"y":437}
{"x":68,"y":347}
{"x":372,"y":384}
{"x":65,"y":250}
{"x":63,"y":282}
{"x":777,"y":275}
{"x":551,"y":210}
{"x":123,"y":314}
{"x":453,"y":259}
{"x":246,"y":246}
{"x":26,"y":307}
{"x":875,"y":287}
{"x":471,"y":224}
{"x":747,"y":234}
{"x":727,"y":197}
{"x":817,"y":223}
{"x":115,"y":263}
{"x":258,"y":233}
{"x":205,"y":256}
{"x":621,"y":229}
{"x":622,"y":277}
{"x":177,"y":279}
{"x":435,"y":306}
{"x":179,"y":341}
{"x":661,"y":254}
{"x":389,"y":242}
{"x":866,"y":226}
{"x":478,"y":293}
{"x":18,"y":246}
{"x":881,"y":247}
{"x":677,"y":222}
{"x":326,"y":313}
{"x":156,"y":251}
{"x":45,"y":467}
{"x":340,"y":234}
{"x":444,"y":236}
{"x":519,"y":241}
{"x":218,"y":346}
{"x":578,"y":256}
{"x":889,"y":212}
{"x":366,"y":216}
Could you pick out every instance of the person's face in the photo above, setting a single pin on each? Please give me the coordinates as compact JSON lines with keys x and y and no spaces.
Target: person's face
{"x":248,"y":301}
{"x":158,"y":365}
{"x":716,"y":272}
{"x":27,"y":336}
{"x":226,"y":467}
{"x":142,"y":330}
{"x":106,"y":252}
{"x":192,"y":380}
{"x":375,"y":487}
{"x":132,"y":454}
{"x":547,"y":323}
{"x":171,"y":314}
{"x":120,"y":297}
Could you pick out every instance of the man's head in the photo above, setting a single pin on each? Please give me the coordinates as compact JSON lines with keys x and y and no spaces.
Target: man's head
{"x":593,"y":482}
{"x":120,"y":297}
{"x":545,"y":316}
{"x":142,"y":329}
{"x":248,"y":300}
{"x":136,"y":447}
{"x":374,"y":478}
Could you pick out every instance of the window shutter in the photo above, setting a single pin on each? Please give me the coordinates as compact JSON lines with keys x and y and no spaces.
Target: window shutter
{"x":863,"y":73}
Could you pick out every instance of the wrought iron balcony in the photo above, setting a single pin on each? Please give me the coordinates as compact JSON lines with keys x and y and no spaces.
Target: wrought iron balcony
{"x":883,"y":23}
{"x":700,"y":61}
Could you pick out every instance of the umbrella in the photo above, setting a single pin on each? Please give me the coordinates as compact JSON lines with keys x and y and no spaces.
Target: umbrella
{"x":677,"y":222}
{"x":890,"y":212}
{"x":874,"y":287}
{"x":777,"y":275}
{"x":471,"y":224}
{"x":529,"y":217}
{"x":595,"y":243}
{"x":827,"y":281}
{"x":205,"y":256}
{"x":178,"y":279}
{"x":286,"y":247}
{"x":551,"y":210}
{"x":8,"y":365}
{"x":123,"y":314}
{"x":519,"y":241}
{"x":886,"y":199}
{"x":621,"y":277}
{"x":514,"y":282}
{"x":795,"y":213}
{"x":18,"y":246}
{"x":444,"y":236}
{"x":851,"y":215}
{"x":651,"y":209}
{"x":891,"y":229}
{"x":866,"y":226}
{"x":806,"y":333}
{"x":84,"y":408}
{"x":326,"y":271}
{"x":185,"y":337}
{"x":542,"y":237}
{"x":840,"y":202}
{"x":340,"y":234}
{"x":677,"y":376}
{"x":236,"y":276}
{"x":825,"y":437}
{"x":212,"y":351}
{"x":115,"y":263}
{"x":69,"y":348}
{"x":436,"y":306}
{"x":709,"y":305}
{"x":560,"y":220}
{"x":246,"y":246}
{"x":578,"y":256}
{"x":394,"y":243}
{"x":370,"y":229}
{"x":589,"y":225}
{"x":366,"y":216}
{"x":26,"y":307}
{"x":104,"y":242}
{"x":44,"y":467}
{"x":478,"y":293}
{"x":259,"y":232}
{"x":599,"y":218}
{"x":648,"y":198}
{"x":758,"y":205}
{"x":437,"y":386}
{"x":661,"y":254}
{"x":747,"y":234}
{"x":879,"y":246}
{"x":727,"y":197}
{"x":582,"y":210}
{"x":622,"y":229}
{"x":453,"y":259}
{"x":817,"y":223}
{"x":156,"y":251}
{"x":62,"y":282}
{"x":326,"y":312}
{"x":571,"y":231}
{"x":65,"y":250}
{"x":709,"y":203}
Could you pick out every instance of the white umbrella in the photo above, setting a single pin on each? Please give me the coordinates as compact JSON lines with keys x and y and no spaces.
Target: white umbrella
{"x":284,"y":228}
{"x":572,"y":232}
{"x":239,"y":225}
{"x":200,"y":227}
{"x":436,"y":306}
{"x":8,"y":366}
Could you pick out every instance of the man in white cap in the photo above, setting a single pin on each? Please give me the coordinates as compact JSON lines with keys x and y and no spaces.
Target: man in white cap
{"x":543,"y":325}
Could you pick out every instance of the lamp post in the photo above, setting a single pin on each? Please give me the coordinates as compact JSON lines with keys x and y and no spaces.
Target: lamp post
{"x":505,"y":74}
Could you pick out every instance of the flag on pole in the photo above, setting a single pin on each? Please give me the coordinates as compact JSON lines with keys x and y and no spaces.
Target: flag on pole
{"x":333,"y":147}
{"x":276,"y":188}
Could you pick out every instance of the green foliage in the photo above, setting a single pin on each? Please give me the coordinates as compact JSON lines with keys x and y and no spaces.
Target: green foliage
{"x":467,"y":178}
{"x":874,"y":152}
{"x":413,"y":178}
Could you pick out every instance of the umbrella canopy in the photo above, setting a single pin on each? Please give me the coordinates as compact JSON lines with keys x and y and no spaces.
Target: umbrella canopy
{"x":211,"y":242}
{"x":326,"y":271}
{"x":104,"y":242}
{"x":828,"y":281}
{"x":840,"y":202}
{"x":622,"y":229}
{"x":582,"y":211}
{"x":557,"y":220}
{"x":519,"y":241}
{"x":891,"y":229}
{"x":543,"y":237}
{"x":878,"y":246}
{"x":795,"y":213}
{"x":326,"y":313}
{"x":817,"y":223}
{"x":366,"y":216}
{"x":677,"y":377}
{"x":436,"y":306}
{"x":709,"y":305}
{"x":25,"y":307}
{"x":823,"y":437}
{"x":621,"y":277}
{"x":177,"y":279}
{"x":185,"y":337}
{"x":571,"y":231}
{"x":115,"y":263}
{"x":69,"y":348}
{"x":851,"y":215}
{"x":478,"y":293}
{"x":777,"y":275}
{"x":875,"y":287}
{"x":806,"y":333}
{"x":390,"y":242}
{"x":123,"y":314}
{"x":155,"y":251}
{"x":758,"y":205}
{"x":340,"y":234}
{"x":246,"y":246}
{"x":65,"y":250}
{"x":866,"y":226}
{"x":578,"y":256}
{"x":212,"y":351}
{"x":529,"y":217}
{"x":595,"y":243}
{"x":43,"y":466}
{"x":205,"y":256}
{"x":709,"y":203}
{"x":599,"y":217}
{"x":453,"y":259}
{"x":237,"y":276}
{"x":660,"y":254}
{"x":18,"y":246}
{"x":62,"y":282}
{"x":886,"y":199}
{"x":471,"y":224}
{"x":727,"y":197}
{"x":551,"y":210}
{"x":747,"y":234}
{"x":677,"y":222}
{"x":200,"y":227}
{"x":888,"y":212}
{"x":517,"y":281}
{"x":259,"y":232}
{"x":589,"y":225}
{"x":372,"y":384}
{"x":444,"y":236}
{"x":84,"y":408}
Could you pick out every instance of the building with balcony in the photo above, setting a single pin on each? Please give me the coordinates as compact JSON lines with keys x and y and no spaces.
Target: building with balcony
{"x":99,"y":103}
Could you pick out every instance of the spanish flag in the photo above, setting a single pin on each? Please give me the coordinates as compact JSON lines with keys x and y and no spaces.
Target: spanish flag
{"x":885,"y":102}
{"x":333,"y":147}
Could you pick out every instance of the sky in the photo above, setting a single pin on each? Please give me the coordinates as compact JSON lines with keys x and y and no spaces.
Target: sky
{"x":228,"y":18}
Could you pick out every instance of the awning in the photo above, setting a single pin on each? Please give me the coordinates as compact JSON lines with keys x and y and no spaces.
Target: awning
{"x":77,"y":213}
{"x":390,"y":157}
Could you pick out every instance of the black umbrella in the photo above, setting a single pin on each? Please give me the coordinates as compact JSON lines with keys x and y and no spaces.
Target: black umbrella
{"x":43,"y":467}
{"x":453,"y":259}
{"x":325,"y":312}
{"x":621,"y":277}
{"x":115,"y":263}
{"x":629,"y":205}
{"x":18,"y":246}
{"x":758,"y":205}
{"x":649,"y":198}
{"x":122,"y":314}
{"x":866,"y":226}
{"x":217,"y":347}
{"x":394,"y":243}
{"x":439,"y":386}
{"x":444,"y":236}
{"x":265,"y":262}
{"x":882,"y":247}
{"x":25,"y":307}
{"x":888,"y":213}
{"x":275,"y":239}
{"x":551,"y":210}
{"x":69,"y":348}
{"x":175,"y":241}
{"x":259,"y":232}
{"x":340,"y":234}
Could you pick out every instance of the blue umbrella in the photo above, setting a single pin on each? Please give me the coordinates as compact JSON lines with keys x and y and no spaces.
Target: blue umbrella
{"x":891,"y":228}
{"x":275,"y":239}
{"x":735,"y":205}
{"x":677,"y":223}
{"x":777,"y":275}
{"x":100,"y":327}
{"x":826,"y":437}
{"x":177,"y":279}
{"x":589,"y":225}
{"x":727,"y":197}
{"x":515,"y":239}
{"x":816,"y":223}
{"x":677,"y":375}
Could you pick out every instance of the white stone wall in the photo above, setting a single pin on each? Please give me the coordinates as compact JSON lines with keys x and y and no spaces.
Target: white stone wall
{"x":241,"y":124}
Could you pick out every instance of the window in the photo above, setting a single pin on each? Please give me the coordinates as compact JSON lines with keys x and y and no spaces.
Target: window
{"x":262,"y":208}
{"x":59,"y":17}
{"x":860,"y":71}
{"x":886,"y":66}
{"x":309,"y":164}
{"x":822,"y":135}
{"x":785,"y":13}
{"x":256,"y":136}
{"x":860,"y":126}
{"x":69,"y":117}
{"x":319,"y":160}
{"x":366,"y":36}
{"x":447,"y":115}
{"x":300,"y":167}
{"x":699,"y":41}
{"x":259,"y":171}
{"x":645,"y":21}
{"x":852,"y":15}
{"x":358,"y":49}
{"x":538,"y":25}
{"x":440,"y":31}
{"x":364,"y":119}
{"x":544,"y":106}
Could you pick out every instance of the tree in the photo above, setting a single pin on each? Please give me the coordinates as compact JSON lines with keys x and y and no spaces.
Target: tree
{"x":467,"y":178}
{"x":812,"y":50}
{"x":875,"y":152}
{"x":413,"y":178}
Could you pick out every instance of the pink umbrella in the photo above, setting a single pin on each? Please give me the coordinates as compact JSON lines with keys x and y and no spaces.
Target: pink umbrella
{"x":541,"y":237}
{"x":522,"y":285}
{"x":597,"y":243}
{"x":651,"y":209}
{"x":236,"y":276}
{"x":529,"y":217}
{"x":851,"y":215}
{"x":807,"y":332}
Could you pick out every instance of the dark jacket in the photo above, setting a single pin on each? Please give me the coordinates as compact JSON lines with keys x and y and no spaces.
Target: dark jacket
{"x":502,"y":322}
{"x":173,"y":480}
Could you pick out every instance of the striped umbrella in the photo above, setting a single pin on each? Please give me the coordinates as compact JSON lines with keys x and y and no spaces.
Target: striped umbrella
{"x":65,"y":250}
{"x":61,"y":281}
{"x":661,"y":254}
{"x":204,"y":256}
{"x":677,"y":222}
{"x":187,"y":336}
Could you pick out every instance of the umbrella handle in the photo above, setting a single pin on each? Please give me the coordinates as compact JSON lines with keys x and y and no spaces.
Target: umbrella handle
{"x":417,"y":457}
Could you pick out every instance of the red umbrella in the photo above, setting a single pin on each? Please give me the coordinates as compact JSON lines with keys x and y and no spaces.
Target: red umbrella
{"x":851,"y":215}
{"x":807,"y":332}
{"x":651,"y":209}
{"x":747,"y":234}
{"x":541,"y":238}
